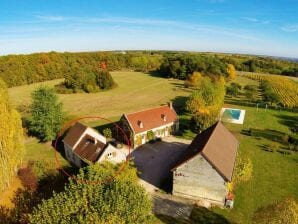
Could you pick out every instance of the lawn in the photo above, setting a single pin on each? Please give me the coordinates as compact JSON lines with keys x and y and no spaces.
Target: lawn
{"x":274,"y":174}
{"x":135,"y":91}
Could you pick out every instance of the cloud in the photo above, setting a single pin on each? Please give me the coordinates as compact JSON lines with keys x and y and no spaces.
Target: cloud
{"x":50,"y":18}
{"x":255,"y":20}
{"x":290,"y":28}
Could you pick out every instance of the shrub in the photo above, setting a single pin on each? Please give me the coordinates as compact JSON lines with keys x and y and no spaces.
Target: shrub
{"x":107,"y":132}
{"x":150,"y":135}
{"x":244,"y":168}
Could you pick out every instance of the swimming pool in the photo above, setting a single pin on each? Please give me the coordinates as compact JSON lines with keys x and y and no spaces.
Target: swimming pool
{"x":231,"y":115}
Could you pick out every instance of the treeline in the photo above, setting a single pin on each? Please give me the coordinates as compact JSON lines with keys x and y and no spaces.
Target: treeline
{"x":261,"y":64}
{"x":181,"y":66}
{"x":18,"y":70}
{"x":25,"y":69}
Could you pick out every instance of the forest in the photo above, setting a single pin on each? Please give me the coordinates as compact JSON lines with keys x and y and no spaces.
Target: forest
{"x":18,"y":70}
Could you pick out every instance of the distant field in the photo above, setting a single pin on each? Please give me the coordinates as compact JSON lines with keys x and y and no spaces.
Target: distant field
{"x":135,"y":91}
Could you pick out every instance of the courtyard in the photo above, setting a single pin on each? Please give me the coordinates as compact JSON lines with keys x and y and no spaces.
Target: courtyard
{"x":155,"y":161}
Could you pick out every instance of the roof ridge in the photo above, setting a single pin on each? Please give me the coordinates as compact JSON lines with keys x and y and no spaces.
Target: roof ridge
{"x":212,"y":132}
{"x":147,"y":109}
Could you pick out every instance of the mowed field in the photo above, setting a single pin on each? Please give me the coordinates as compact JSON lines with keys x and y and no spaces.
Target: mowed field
{"x":135,"y":91}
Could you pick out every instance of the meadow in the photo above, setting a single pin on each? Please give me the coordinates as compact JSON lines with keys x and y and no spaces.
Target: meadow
{"x":135,"y":91}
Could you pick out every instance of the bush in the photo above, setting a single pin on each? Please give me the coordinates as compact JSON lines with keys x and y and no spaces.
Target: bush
{"x":244,"y":168}
{"x":150,"y":135}
{"x":107,"y":132}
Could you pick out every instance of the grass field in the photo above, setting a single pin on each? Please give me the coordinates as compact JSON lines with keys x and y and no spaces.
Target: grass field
{"x":274,"y":174}
{"x":135,"y":91}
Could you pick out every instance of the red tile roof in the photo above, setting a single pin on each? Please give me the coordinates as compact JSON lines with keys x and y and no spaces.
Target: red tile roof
{"x":218,"y":146}
{"x":152,"y":118}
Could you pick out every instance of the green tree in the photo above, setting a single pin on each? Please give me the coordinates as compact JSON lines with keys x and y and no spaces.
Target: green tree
{"x":205,"y":103}
{"x":11,"y":139}
{"x":283,"y":212}
{"x":46,"y":114}
{"x":114,"y":200}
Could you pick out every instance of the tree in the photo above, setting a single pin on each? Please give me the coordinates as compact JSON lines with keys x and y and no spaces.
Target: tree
{"x":46,"y":114}
{"x":107,"y":132}
{"x":194,"y":79}
{"x":205,"y":103}
{"x":250,"y":92}
{"x":231,"y":71}
{"x":283,"y":212}
{"x":11,"y":139}
{"x":114,"y":200}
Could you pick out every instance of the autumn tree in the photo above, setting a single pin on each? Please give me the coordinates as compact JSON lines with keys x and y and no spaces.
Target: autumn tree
{"x":46,"y":114}
{"x":285,"y":211}
{"x":231,"y":71}
{"x":98,"y":198}
{"x":11,"y":139}
{"x":205,"y":103}
{"x":194,"y":79}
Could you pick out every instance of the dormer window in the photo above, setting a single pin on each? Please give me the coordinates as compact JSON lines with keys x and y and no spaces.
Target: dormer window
{"x":164,"y":117}
{"x":140,"y":124}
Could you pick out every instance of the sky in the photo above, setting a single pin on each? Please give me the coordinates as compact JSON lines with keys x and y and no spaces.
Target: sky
{"x":260,"y":27}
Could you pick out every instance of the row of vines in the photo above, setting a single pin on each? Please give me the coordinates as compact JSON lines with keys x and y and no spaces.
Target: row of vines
{"x":284,"y":88}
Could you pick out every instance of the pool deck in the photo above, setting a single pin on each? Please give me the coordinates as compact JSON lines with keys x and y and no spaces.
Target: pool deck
{"x":234,"y":121}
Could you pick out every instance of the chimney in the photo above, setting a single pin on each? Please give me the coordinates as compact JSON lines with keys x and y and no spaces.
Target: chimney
{"x":170,"y":105}
{"x":140,"y":123}
{"x":164,"y":117}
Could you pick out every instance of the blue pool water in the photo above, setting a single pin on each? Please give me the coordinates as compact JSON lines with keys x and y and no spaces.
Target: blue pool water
{"x":232,"y":113}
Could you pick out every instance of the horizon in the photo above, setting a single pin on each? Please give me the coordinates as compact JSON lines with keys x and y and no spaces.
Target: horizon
{"x":267,"y":28}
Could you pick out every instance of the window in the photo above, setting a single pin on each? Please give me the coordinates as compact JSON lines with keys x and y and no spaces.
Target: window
{"x":110,"y":155}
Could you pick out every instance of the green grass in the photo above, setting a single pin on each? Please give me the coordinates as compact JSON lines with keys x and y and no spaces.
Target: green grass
{"x":274,"y":175}
{"x":135,"y":91}
{"x":44,"y":152}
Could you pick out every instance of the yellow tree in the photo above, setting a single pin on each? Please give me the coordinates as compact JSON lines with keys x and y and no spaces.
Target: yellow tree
{"x":194,"y":79}
{"x":231,"y":71}
{"x":11,"y":139}
{"x":205,"y":103}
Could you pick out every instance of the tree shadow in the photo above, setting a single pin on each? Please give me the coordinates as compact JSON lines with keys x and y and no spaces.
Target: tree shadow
{"x":179,"y":103}
{"x":290,"y":121}
{"x":203,"y":215}
{"x":170,"y":220}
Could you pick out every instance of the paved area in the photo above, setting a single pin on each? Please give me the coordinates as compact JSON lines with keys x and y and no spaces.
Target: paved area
{"x":154,"y":161}
{"x":170,"y":205}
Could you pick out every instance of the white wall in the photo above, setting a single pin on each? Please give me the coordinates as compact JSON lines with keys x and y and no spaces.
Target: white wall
{"x":117,"y":155}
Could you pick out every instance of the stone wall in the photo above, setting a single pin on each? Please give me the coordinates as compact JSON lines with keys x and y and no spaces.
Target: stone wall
{"x":197,"y":179}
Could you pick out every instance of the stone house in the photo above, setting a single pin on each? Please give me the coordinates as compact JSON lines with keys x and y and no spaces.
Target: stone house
{"x":83,"y":145}
{"x":143,"y":126}
{"x":207,"y":166}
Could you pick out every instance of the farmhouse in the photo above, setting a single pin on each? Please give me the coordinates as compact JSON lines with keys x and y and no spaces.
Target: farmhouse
{"x":150,"y":124}
{"x":83,"y":144}
{"x":207,"y":165}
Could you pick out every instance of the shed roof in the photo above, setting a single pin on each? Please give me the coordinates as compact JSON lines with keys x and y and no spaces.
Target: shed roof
{"x":152,"y":118}
{"x":218,"y":146}
{"x":89,"y":148}
{"x":74,"y":134}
